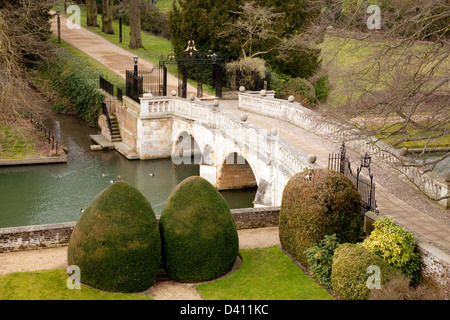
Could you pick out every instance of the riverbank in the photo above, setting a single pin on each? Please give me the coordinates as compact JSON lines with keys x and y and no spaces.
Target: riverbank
{"x":22,"y":143}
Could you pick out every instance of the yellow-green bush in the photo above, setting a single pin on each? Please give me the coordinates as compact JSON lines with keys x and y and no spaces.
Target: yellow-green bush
{"x":395,"y":245}
{"x":349,"y":273}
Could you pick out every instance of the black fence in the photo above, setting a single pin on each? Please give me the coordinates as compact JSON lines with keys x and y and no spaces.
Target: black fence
{"x":365,"y":186}
{"x":135,"y":86}
{"x":152,"y":80}
{"x":48,"y":136}
{"x":106,"y":112}
{"x":106,"y":85}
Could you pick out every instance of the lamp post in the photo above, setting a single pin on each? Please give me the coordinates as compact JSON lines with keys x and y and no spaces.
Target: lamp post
{"x":135,"y":59}
{"x":59,"y":26}
{"x":120,"y":26}
{"x":365,"y":161}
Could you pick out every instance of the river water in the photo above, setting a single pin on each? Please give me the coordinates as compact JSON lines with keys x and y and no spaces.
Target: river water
{"x":54,"y":193}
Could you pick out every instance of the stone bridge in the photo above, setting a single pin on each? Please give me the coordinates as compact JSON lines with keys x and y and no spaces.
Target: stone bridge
{"x":230,"y":152}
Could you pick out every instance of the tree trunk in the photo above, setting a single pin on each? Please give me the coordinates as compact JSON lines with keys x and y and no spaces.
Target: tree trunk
{"x":107,"y":16}
{"x":91,"y":13}
{"x":135,"y":25}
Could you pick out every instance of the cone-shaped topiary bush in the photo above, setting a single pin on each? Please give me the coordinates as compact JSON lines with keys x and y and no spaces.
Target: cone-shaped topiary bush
{"x":116,"y":241}
{"x":317,"y":203}
{"x":198,"y":233}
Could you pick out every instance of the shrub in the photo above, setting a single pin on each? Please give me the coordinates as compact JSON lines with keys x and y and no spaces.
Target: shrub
{"x":316,"y":203}
{"x":60,"y":107}
{"x":76,"y":83}
{"x":246,"y":72}
{"x":395,"y":245}
{"x":320,"y":259}
{"x":349,"y":273}
{"x":198,"y":232}
{"x":116,"y":241}
{"x":322,"y":88}
{"x":301,"y":89}
{"x":399,"y":288}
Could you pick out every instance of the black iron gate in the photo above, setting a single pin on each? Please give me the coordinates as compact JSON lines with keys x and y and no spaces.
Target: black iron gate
{"x":134,"y":85}
{"x":152,"y":80}
{"x":365,"y":186}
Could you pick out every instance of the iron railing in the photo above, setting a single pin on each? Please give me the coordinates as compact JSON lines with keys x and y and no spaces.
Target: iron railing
{"x":366,"y":187}
{"x":134,"y":86}
{"x":106,"y":85}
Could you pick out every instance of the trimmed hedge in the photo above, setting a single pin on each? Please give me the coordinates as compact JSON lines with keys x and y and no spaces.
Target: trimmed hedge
{"x":317,"y":203}
{"x":349,"y":273}
{"x":198,"y":233}
{"x":116,"y":241}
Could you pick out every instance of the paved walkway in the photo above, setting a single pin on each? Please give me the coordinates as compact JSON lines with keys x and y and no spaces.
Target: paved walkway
{"x":112,"y":56}
{"x":396,"y":198}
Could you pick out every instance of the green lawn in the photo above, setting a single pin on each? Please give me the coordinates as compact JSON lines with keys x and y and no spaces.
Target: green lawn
{"x":164,"y":5}
{"x":265,"y":274}
{"x":52,"y":285}
{"x":17,"y":142}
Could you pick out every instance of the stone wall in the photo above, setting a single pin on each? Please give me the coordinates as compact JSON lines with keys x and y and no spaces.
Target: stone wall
{"x":35,"y":237}
{"x":58,"y":234}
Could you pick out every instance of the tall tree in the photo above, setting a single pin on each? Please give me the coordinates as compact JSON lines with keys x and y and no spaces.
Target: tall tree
{"x":394,"y":84}
{"x":107,"y":16}
{"x":255,"y":24}
{"x":91,"y":13}
{"x":135,"y":24}
{"x":24,"y":27}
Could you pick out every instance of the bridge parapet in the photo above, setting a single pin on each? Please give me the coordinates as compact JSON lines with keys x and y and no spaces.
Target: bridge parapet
{"x":436,"y":187}
{"x":269,"y":147}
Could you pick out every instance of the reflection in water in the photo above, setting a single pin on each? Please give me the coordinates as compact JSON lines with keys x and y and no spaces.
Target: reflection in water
{"x":42,"y":194}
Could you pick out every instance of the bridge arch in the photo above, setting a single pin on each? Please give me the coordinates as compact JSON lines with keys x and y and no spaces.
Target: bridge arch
{"x":186,"y":149}
{"x":235,"y":172}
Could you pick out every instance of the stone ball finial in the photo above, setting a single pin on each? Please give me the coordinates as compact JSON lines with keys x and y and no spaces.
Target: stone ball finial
{"x":242,"y":89}
{"x":192,"y":97}
{"x":291,"y":99}
{"x":312,"y":158}
{"x":263,"y":93}
{"x":244,"y":117}
{"x":216,"y":103}
{"x":273,"y":131}
{"x":174,"y":93}
{"x":404,"y":151}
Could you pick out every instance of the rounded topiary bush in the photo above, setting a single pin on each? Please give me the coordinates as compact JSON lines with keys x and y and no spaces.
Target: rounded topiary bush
{"x":198,"y":232}
{"x":317,"y":203}
{"x":349,"y":272}
{"x":116,"y":242}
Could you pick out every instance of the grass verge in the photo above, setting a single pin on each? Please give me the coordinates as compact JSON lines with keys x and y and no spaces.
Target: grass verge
{"x":52,"y":285}
{"x":19,"y":140}
{"x":265,"y":274}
